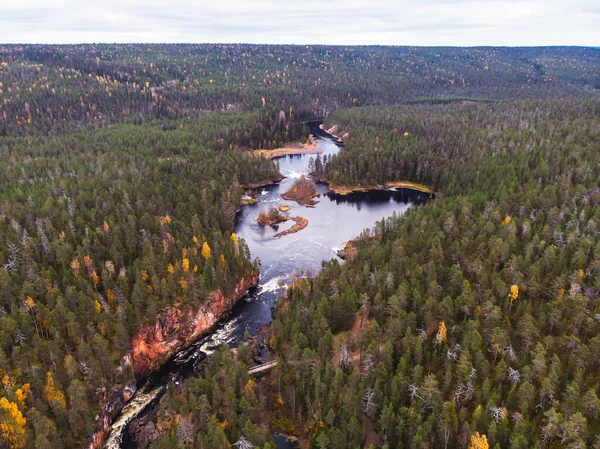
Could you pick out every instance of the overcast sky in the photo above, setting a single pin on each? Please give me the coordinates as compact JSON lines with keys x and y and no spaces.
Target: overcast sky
{"x":393,"y":22}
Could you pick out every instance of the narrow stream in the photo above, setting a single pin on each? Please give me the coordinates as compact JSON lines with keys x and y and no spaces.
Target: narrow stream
{"x":332,"y":222}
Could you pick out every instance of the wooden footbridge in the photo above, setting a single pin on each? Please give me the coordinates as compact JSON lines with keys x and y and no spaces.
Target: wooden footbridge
{"x":256,"y":370}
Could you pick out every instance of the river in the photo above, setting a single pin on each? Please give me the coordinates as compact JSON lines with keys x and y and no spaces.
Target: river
{"x":332,"y":222}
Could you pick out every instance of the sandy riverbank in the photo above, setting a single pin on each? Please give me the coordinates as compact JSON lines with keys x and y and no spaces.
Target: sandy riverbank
{"x":291,"y":149}
{"x":345,"y":190}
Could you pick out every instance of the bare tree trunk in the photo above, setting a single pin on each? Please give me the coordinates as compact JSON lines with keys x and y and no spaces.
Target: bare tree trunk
{"x":446,"y":437}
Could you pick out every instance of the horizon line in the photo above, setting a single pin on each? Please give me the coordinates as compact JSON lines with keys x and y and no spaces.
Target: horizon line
{"x":299,"y":44}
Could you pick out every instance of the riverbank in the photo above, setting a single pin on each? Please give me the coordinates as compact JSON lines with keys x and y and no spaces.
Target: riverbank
{"x":346,"y":190}
{"x":331,"y":133}
{"x":266,"y":183}
{"x":349,"y":250}
{"x":175,"y":330}
{"x":152,"y":347}
{"x":294,"y":149}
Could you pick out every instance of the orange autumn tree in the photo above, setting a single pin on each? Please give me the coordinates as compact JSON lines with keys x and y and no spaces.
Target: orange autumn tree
{"x":441,"y":334}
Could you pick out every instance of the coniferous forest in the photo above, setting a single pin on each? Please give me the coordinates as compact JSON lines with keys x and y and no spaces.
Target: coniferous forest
{"x":472,"y":321}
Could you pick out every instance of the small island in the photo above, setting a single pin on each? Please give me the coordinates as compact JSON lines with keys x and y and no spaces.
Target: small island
{"x":271,"y":218}
{"x":303,"y":191}
{"x":301,"y":223}
{"x":274,"y":217}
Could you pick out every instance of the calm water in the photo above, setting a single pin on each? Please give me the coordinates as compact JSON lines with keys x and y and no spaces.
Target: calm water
{"x":332,"y":222}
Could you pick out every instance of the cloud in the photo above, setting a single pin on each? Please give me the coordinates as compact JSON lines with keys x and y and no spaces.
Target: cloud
{"x":402,"y":22}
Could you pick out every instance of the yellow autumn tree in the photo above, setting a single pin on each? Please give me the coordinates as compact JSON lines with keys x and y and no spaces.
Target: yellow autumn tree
{"x":250,"y":393}
{"x":110,"y":295}
{"x":22,"y":393}
{"x":183,"y":284}
{"x":7,"y":382}
{"x":29,"y":303}
{"x":166,"y":219}
{"x":185,"y":264}
{"x":12,"y":425}
{"x":53,"y":393}
{"x":205,"y":250}
{"x":513,"y":295}
{"x":30,"y":306}
{"x":506,"y":220}
{"x":479,"y":441}
{"x":234,"y":238}
{"x":95,"y":278}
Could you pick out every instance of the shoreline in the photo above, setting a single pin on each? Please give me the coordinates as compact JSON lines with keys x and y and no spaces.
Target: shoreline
{"x":346,"y":190}
{"x":292,"y":149}
{"x":210,"y":314}
{"x":331,"y":131}
{"x":266,"y":183}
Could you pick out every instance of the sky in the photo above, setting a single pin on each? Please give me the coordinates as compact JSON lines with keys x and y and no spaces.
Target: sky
{"x":344,"y":22}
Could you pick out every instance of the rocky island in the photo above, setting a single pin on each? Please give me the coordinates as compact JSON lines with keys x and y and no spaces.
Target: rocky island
{"x":274,"y":216}
{"x":303,"y":191}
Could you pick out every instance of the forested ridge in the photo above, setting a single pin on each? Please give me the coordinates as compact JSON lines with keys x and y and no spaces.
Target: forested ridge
{"x":122,"y":166}
{"x":51,"y":88}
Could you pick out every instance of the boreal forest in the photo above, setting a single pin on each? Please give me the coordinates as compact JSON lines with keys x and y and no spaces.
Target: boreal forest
{"x":471,"y":321}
